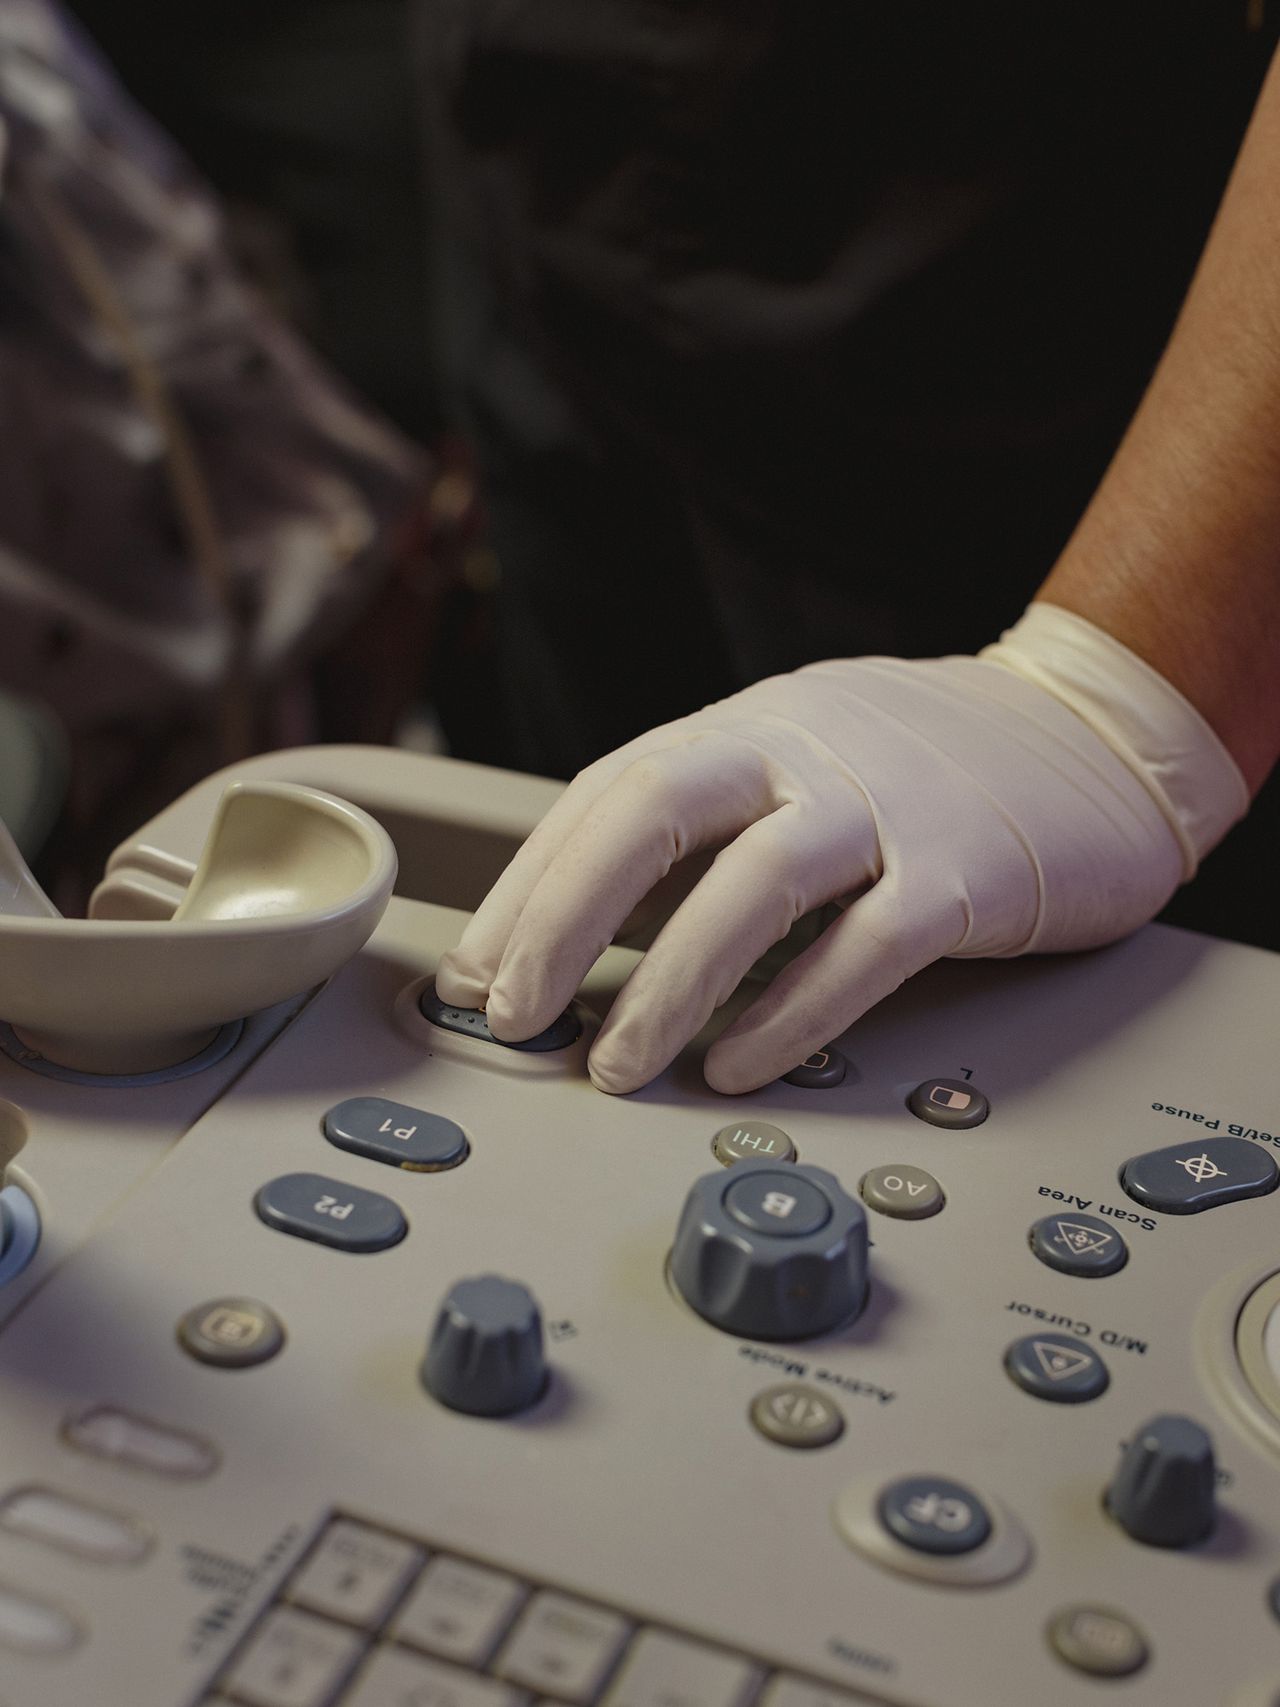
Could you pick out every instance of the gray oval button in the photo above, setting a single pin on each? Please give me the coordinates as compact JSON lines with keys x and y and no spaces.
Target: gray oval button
{"x":397,"y":1134}
{"x":330,"y":1212}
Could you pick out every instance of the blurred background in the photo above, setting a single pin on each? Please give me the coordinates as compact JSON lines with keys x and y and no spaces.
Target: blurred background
{"x":505,"y":378}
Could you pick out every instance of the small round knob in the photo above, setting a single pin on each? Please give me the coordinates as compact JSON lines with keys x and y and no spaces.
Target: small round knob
{"x":485,"y":1352}
{"x":771,"y":1250}
{"x":1163,"y":1491}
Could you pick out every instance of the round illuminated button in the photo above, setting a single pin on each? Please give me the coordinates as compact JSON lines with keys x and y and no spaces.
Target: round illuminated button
{"x":1098,"y":1640}
{"x":934,"y":1515}
{"x":231,"y":1333}
{"x":954,"y":1104}
{"x":795,"y":1415}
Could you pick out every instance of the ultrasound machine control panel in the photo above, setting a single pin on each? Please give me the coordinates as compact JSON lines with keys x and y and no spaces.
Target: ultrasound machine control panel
{"x":351,"y":1358}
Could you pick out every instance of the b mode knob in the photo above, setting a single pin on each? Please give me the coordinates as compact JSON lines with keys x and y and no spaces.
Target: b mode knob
{"x":771,"y":1250}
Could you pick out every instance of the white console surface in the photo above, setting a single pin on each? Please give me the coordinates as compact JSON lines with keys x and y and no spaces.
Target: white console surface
{"x":638,"y":1485}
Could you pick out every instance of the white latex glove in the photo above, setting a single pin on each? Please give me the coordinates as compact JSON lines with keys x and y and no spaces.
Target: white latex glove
{"x":1048,"y":794}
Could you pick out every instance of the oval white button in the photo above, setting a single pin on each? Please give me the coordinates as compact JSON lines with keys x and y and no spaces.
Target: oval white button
{"x":35,"y":1626}
{"x":126,"y":1439}
{"x":103,"y":1536}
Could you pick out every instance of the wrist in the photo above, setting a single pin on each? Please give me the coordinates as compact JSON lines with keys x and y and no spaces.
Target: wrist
{"x":1150,"y":726}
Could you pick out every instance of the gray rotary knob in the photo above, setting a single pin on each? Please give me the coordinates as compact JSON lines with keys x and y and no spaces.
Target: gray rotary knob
{"x":772,"y":1250}
{"x":485,"y":1351}
{"x":1163,"y":1491}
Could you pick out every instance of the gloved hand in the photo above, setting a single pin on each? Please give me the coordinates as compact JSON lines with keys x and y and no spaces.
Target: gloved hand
{"x":1048,"y":794}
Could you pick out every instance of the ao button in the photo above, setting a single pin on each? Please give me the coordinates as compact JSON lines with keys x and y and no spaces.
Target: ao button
{"x":907,"y":1193}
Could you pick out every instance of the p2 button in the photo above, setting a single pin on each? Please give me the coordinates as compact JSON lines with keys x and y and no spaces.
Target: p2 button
{"x":330,"y":1212}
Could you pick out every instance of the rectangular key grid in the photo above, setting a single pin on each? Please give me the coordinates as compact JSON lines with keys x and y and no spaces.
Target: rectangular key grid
{"x":372,"y":1618}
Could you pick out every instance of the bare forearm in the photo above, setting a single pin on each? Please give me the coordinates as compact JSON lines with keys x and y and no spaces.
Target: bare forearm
{"x":1178,"y":555}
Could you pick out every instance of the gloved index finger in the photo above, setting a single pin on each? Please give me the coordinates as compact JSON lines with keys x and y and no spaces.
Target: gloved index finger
{"x":466,"y":972}
{"x":661,"y":807}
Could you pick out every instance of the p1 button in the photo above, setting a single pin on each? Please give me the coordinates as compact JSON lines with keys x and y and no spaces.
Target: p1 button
{"x":330,"y":1212}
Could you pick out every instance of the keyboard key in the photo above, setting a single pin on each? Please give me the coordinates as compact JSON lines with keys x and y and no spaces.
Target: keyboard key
{"x":563,"y":1647}
{"x":397,"y":1678}
{"x":665,"y":1670}
{"x":355,"y":1573}
{"x":293,"y":1660}
{"x":459,"y":1610}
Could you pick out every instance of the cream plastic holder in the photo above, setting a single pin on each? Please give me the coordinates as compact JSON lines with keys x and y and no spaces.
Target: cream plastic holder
{"x":290,"y":884}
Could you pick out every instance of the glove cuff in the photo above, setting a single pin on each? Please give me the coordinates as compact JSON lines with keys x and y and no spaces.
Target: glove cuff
{"x":1145,"y":721}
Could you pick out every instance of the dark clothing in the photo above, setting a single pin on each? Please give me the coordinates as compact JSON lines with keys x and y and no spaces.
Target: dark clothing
{"x":790,"y":329}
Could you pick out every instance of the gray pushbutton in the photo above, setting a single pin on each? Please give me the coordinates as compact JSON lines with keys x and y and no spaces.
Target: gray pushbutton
{"x":1098,"y":1640}
{"x":471,"y":1022}
{"x":752,"y":1140}
{"x":1163,"y":1491}
{"x":954,"y":1104}
{"x":821,"y":1071}
{"x":1184,"y":1179}
{"x":231,"y":1333}
{"x":771,"y":1251}
{"x":1058,"y":1368}
{"x":777,"y":1203}
{"x":395,"y":1133}
{"x":934,"y":1515}
{"x":898,"y":1189}
{"x":796,"y":1415}
{"x":485,"y":1353}
{"x":1079,"y":1244}
{"x":329,"y":1212}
